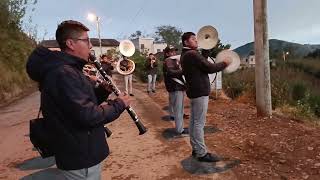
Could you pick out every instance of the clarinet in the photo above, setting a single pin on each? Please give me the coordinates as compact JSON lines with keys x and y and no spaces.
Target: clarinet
{"x":117,"y":92}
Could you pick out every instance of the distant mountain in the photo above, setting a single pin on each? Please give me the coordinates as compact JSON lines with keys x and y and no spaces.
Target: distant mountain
{"x":278,"y":46}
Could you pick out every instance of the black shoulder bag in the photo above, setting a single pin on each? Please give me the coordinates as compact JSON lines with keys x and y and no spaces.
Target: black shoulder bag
{"x":39,"y":136}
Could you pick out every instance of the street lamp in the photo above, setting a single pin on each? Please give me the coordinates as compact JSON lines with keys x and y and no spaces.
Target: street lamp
{"x":284,"y":55}
{"x":92,"y":18}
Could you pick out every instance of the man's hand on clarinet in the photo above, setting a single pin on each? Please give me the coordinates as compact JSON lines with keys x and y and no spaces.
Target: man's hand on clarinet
{"x":108,"y":87}
{"x":125,"y":98}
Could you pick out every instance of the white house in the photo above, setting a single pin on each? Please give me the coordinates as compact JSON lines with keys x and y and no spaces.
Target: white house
{"x":249,"y":60}
{"x":148,"y":45}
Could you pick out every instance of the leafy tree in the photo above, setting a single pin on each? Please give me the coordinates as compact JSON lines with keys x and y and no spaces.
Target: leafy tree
{"x":169,"y":34}
{"x":218,"y":48}
{"x":135,"y":35}
{"x":12,"y":12}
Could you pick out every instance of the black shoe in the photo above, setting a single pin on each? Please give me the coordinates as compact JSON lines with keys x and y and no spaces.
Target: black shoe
{"x":131,"y":95}
{"x":171,"y":118}
{"x":185,"y":131}
{"x":194,"y":154}
{"x":153,"y":91}
{"x":209,"y":158}
{"x":148,"y":92}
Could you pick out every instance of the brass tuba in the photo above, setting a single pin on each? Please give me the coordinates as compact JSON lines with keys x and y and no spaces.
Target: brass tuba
{"x":126,"y":66}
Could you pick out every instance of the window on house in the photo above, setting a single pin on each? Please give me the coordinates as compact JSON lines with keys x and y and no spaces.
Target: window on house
{"x":142,"y":46}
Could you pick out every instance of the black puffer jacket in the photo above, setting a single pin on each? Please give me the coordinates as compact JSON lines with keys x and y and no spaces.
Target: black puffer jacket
{"x":196,"y":69}
{"x":73,"y":114}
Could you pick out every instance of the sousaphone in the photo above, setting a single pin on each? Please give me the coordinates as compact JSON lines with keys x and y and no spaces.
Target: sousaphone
{"x":126,"y":66}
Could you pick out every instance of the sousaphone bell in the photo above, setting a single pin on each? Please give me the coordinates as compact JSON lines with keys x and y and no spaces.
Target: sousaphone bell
{"x":126,"y":66}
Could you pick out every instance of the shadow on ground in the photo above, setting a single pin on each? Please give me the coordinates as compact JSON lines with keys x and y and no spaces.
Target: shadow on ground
{"x":47,"y":174}
{"x":171,"y":133}
{"x":36,"y":163}
{"x":193,"y":166}
{"x":166,"y":118}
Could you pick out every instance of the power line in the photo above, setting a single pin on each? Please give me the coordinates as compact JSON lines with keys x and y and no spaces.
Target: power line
{"x":134,"y":17}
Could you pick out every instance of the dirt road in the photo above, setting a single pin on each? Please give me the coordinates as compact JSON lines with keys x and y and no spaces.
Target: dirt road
{"x":148,"y":156}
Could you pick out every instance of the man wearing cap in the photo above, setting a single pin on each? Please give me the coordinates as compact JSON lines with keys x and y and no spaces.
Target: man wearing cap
{"x":174,"y":83}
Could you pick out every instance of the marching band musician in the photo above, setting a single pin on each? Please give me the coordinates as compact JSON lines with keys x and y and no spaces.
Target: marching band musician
{"x":74,"y":116}
{"x":152,"y":69}
{"x":127,"y":78}
{"x":106,"y":65}
{"x":196,"y":69}
{"x":174,"y":83}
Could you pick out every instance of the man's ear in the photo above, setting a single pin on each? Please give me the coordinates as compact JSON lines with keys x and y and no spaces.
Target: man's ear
{"x":70,"y":44}
{"x":186,"y":42}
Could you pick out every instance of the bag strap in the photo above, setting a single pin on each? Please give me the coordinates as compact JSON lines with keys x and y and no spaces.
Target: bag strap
{"x":39,"y":112}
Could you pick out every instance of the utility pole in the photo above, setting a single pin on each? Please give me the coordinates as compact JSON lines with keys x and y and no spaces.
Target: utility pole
{"x":262,"y":68}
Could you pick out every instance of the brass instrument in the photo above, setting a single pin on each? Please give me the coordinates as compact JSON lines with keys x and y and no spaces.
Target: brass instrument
{"x":126,"y":66}
{"x":208,"y":38}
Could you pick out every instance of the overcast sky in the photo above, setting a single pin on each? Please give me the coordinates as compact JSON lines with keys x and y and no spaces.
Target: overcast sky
{"x":290,"y":20}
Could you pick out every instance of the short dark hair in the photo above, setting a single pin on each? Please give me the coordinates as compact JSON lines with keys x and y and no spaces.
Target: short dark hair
{"x":67,"y":30}
{"x":186,"y":36}
{"x":151,"y":54}
{"x":104,"y":55}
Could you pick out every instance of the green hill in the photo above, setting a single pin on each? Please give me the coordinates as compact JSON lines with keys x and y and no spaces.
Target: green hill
{"x":278,"y":46}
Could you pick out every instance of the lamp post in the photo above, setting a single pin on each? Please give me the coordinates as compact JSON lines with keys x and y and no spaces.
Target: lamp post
{"x":93,"y":17}
{"x":284,"y":55}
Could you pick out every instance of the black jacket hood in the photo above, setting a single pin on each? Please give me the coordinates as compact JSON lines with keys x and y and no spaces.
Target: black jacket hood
{"x":42,"y":60}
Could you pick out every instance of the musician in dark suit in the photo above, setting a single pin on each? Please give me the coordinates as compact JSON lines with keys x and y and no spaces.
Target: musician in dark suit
{"x":196,"y":69}
{"x":74,"y":115}
{"x":152,"y":69}
{"x":106,"y":65}
{"x":175,"y":85}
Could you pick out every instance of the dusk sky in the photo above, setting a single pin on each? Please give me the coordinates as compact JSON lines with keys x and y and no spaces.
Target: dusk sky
{"x":290,"y":20}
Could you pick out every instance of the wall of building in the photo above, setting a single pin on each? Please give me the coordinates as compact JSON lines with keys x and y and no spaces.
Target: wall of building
{"x":148,"y":45}
{"x":105,"y":49}
{"x":159,"y":47}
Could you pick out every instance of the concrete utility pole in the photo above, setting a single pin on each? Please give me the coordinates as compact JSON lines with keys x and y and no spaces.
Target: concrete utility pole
{"x":262,"y":68}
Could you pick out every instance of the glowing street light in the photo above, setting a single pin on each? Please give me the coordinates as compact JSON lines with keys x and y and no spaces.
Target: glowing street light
{"x":94,"y":18}
{"x":284,"y":55}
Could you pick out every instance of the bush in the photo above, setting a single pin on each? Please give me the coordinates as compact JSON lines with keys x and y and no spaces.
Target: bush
{"x":237,"y":83}
{"x":299,"y":91}
{"x":314,"y":102}
{"x":279,"y":92}
{"x":140,"y":70}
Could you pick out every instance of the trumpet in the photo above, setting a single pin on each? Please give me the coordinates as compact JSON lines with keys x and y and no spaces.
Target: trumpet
{"x":153,"y":60}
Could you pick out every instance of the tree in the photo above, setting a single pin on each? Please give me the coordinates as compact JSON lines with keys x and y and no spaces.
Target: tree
{"x":218,"y":48}
{"x":169,"y":34}
{"x":135,"y":35}
{"x":12,"y":12}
